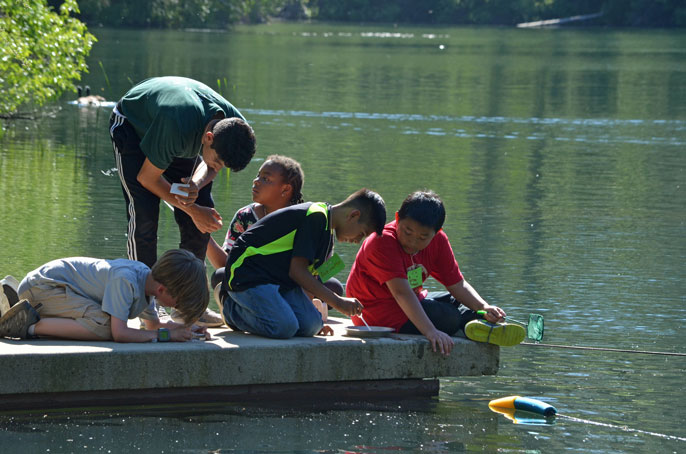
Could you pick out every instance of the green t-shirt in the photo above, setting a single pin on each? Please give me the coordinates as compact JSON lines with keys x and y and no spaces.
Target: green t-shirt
{"x":170,"y":114}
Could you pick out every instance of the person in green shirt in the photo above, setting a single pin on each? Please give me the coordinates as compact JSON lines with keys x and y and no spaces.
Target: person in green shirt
{"x":168,"y":130}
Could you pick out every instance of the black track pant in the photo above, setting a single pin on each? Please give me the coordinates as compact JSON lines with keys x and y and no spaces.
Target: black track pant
{"x":445,"y":313}
{"x":142,"y":206}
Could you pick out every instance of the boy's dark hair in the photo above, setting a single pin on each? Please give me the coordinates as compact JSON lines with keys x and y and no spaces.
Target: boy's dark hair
{"x":184,"y":276}
{"x":372,"y":208}
{"x":234,"y":142}
{"x":425,"y":207}
{"x":292,"y":174}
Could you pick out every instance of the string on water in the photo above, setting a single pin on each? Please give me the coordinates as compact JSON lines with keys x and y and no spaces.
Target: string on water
{"x":603,"y":349}
{"x":623,"y":428}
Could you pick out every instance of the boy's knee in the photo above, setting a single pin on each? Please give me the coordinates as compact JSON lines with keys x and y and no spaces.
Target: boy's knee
{"x":310,"y":325}
{"x":217,"y":277}
{"x":312,"y":330}
{"x":283,"y":330}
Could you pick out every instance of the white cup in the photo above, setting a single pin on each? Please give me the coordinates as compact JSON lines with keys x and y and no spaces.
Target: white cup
{"x":176,"y":189}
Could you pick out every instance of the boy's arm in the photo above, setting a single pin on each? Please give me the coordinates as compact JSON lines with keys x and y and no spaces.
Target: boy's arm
{"x":408,"y":302}
{"x":203,"y":175}
{"x":219,"y":254}
{"x":206,"y":219}
{"x":150,"y":176}
{"x":122,"y":333}
{"x":467,"y":295}
{"x":301,"y":275}
{"x":172,"y":325}
{"x":216,"y":254}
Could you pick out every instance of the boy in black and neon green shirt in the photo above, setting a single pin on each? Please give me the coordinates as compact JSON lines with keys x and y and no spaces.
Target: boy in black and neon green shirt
{"x":272,"y":264}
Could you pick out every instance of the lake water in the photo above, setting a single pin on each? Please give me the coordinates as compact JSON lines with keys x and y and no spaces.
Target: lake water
{"x":559,"y":155}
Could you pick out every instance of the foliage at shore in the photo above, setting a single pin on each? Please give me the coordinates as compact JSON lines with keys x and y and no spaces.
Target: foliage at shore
{"x":43,"y":52}
{"x":223,"y":13}
{"x":646,"y":13}
{"x":180,"y":14}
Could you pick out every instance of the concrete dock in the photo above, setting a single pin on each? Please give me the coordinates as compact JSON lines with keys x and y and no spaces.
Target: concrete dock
{"x":232,"y":367}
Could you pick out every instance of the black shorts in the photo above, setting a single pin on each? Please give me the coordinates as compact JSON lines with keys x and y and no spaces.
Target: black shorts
{"x":445,"y":312}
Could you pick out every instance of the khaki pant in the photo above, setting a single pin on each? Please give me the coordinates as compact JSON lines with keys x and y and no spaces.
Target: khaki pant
{"x":62,"y":302}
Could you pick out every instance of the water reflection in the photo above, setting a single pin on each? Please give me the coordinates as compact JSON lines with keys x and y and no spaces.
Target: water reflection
{"x":558,"y":154}
{"x":404,"y":426}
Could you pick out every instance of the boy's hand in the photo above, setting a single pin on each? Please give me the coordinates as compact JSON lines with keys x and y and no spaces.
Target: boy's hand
{"x":191,"y":190}
{"x":494,"y":314}
{"x":180,"y":333}
{"x":349,"y":306}
{"x":441,"y":341}
{"x":325,"y":331}
{"x":206,"y":219}
{"x":200,"y":332}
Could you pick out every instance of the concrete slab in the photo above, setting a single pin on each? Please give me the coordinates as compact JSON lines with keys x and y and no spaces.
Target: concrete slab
{"x":33,"y":371}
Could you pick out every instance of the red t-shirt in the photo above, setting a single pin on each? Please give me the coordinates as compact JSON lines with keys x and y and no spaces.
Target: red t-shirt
{"x":380,"y":259}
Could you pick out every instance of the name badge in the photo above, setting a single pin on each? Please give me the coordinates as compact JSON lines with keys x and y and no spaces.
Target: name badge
{"x":415,"y":277}
{"x":331,"y":267}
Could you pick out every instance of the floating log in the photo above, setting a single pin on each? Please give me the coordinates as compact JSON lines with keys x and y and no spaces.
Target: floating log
{"x":560,"y":21}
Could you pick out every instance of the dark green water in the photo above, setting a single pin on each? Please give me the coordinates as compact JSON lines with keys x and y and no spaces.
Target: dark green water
{"x":560,"y":157}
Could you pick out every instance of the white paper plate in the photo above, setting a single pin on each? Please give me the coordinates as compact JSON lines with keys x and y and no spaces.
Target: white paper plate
{"x":372,"y":331}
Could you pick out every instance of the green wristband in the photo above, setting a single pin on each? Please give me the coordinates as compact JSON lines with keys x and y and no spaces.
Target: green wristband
{"x":163,"y":335}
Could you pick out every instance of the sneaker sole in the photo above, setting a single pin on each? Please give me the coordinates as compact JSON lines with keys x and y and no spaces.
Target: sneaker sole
{"x":218,"y":320}
{"x":11,"y":294}
{"x":504,"y":335}
{"x":209,"y":324}
{"x":31,"y":318}
{"x":9,"y":288}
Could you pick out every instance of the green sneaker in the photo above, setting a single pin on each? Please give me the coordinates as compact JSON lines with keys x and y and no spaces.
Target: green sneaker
{"x":502,"y":334}
{"x":16,"y":322}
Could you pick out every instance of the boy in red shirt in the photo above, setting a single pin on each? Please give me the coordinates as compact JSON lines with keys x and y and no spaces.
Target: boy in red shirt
{"x":389,"y":272}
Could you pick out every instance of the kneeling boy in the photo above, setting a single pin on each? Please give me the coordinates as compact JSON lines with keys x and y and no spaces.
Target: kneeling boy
{"x":389,"y":271}
{"x":272,"y":264}
{"x":84,"y":298}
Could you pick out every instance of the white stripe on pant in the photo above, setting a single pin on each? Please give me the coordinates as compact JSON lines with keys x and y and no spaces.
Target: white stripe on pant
{"x":131,"y":240}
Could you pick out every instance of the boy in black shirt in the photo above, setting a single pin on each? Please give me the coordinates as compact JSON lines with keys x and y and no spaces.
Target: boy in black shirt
{"x":274,"y":262}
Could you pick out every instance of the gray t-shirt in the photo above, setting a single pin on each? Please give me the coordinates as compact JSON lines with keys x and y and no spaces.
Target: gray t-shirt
{"x":118,"y":285}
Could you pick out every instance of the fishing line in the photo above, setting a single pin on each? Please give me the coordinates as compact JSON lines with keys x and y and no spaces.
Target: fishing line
{"x":535,"y":329}
{"x":603,"y":349}
{"x":530,"y":411}
{"x":623,"y":428}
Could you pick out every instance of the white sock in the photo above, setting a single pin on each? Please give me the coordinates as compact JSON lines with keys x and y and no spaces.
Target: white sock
{"x":32,"y":330}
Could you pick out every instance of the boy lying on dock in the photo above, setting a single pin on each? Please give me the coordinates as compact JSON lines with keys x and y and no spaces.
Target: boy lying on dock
{"x":391,"y":267}
{"x":274,"y":263}
{"x":84,"y":298}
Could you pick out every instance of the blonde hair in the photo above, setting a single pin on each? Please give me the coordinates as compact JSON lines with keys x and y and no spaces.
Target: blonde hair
{"x":184,"y":276}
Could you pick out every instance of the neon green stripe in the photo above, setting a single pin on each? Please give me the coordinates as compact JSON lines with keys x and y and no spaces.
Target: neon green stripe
{"x":282,"y":244}
{"x":319,"y":207}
